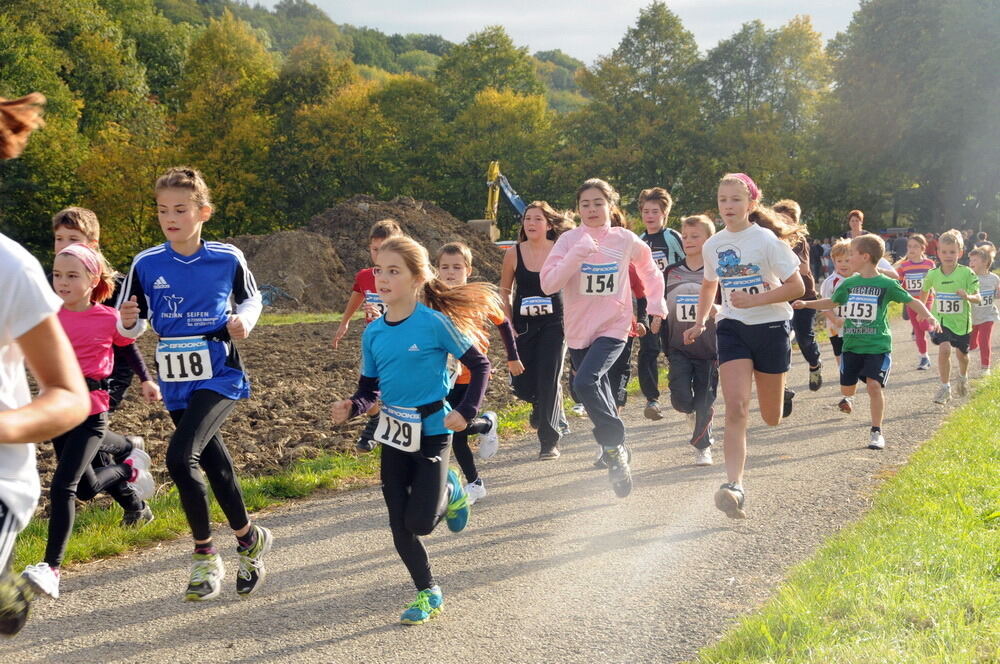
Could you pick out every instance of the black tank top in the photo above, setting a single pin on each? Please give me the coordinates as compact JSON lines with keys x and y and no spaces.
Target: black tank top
{"x":529,"y":284}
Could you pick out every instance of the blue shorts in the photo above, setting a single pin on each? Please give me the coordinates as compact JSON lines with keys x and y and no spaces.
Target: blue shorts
{"x":767,"y":345}
{"x":856,"y":367}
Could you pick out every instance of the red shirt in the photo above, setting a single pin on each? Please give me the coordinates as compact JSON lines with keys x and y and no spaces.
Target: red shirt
{"x":93,"y":333}
{"x":364,"y":283}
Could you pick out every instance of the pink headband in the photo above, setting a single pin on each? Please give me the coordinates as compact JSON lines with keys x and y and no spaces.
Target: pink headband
{"x":750,"y":184}
{"x":89,"y":258}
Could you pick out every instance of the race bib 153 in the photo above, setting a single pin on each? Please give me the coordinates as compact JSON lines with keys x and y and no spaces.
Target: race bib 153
{"x":861,"y":307}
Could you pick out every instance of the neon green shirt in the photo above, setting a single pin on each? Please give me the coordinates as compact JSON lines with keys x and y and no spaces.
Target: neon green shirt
{"x":952,"y":311}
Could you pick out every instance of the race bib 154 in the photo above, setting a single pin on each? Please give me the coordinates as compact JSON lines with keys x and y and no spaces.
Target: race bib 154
{"x":599,"y":279}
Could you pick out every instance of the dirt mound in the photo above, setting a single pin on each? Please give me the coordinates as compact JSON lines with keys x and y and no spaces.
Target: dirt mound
{"x":297,"y":270}
{"x":347,"y":224}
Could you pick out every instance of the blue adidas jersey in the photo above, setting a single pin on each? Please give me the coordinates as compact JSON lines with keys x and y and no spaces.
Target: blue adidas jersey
{"x":187,"y":296}
{"x":410,"y":360}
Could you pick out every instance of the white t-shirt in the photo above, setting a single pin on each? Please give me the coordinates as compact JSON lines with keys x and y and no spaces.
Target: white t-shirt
{"x":826,"y":290}
{"x":27,"y":301}
{"x":753,"y":260}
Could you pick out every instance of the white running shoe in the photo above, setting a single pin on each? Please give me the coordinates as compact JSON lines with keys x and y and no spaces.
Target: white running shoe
{"x":703,"y":457}
{"x":143,"y":485}
{"x":943,"y":394}
{"x":489,"y":442}
{"x":139,"y":458}
{"x":877,"y":441}
{"x":986,"y":372}
{"x":43,"y":579}
{"x":475,"y":490}
{"x":961,"y":386}
{"x":578,"y":410}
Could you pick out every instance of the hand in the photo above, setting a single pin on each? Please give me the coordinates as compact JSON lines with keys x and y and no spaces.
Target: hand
{"x":130,"y":313}
{"x":585,"y":246}
{"x":962,"y":294}
{"x":341,"y":331}
{"x":237,"y":328}
{"x":838,"y":322}
{"x":933,"y":325}
{"x":742,"y":299}
{"x":798,"y":304}
{"x":455,"y":422}
{"x":371,"y":311}
{"x":150,"y":391}
{"x":341,"y":411}
{"x":693,"y":332}
{"x":516,"y":368}
{"x":655,"y":323}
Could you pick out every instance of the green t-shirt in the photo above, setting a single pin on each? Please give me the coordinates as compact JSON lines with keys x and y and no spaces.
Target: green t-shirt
{"x":952,"y":311}
{"x":865,"y":308}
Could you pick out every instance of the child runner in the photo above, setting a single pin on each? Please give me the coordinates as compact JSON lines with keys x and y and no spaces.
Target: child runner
{"x":589,"y":265}
{"x":912,"y":269}
{"x":83,"y":280}
{"x":183,"y":287}
{"x":454,"y":264}
{"x":29,"y":329}
{"x":694,"y":368}
{"x":840,"y":254}
{"x":864,"y":298}
{"x":667,"y":248}
{"x":953,"y":287}
{"x":364,"y":293}
{"x":984,"y":314}
{"x":538,"y":322}
{"x":759,"y":275}
{"x":404,"y":361}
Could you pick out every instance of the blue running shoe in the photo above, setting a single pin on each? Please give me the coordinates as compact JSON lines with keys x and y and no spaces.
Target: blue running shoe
{"x":458,"y":504}
{"x":427,"y":605}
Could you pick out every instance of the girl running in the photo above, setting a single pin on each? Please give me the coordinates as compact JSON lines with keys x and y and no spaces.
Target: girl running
{"x":454,"y":264}
{"x":538,"y":322}
{"x":83,"y":280}
{"x":984,"y":314}
{"x":759,"y":275}
{"x":404,"y":361}
{"x":183,"y":287}
{"x":912,"y":269}
{"x":589,"y":264}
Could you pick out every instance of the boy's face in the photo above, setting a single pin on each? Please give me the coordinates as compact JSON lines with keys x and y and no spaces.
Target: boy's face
{"x":66,"y":236}
{"x":653,"y":216}
{"x":858,"y":260}
{"x":694,"y":238}
{"x":949,"y":253}
{"x":181,"y":218}
{"x":977,"y":264}
{"x":842,"y":264}
{"x":453,"y":270}
{"x":373,"y":247}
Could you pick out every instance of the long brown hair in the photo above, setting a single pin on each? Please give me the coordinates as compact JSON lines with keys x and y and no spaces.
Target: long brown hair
{"x":610,"y":195}
{"x":467,"y":306}
{"x":779,"y":224}
{"x":559,"y":222}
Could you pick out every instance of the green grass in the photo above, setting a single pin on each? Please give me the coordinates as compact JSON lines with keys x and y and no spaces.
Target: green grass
{"x":916,"y":581}
{"x":300,"y":317}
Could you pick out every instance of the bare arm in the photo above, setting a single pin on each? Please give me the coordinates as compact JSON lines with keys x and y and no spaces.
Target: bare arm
{"x":507,"y":282}
{"x":819,"y":305}
{"x":352,"y":305}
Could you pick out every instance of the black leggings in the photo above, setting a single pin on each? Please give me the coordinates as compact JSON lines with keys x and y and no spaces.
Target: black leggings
{"x":195,"y":446}
{"x":460,"y":439}
{"x":77,"y":476}
{"x":805,"y":335}
{"x":415,"y":491}
{"x":621,"y":373}
{"x":542,"y":349}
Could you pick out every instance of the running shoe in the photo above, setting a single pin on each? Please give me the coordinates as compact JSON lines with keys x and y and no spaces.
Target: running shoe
{"x":703,"y":457}
{"x":137,"y":518}
{"x":475,"y":490}
{"x":986,"y":372}
{"x":252,"y":570}
{"x":925,"y":364}
{"x":787,"y":407}
{"x":207,"y":572}
{"x":816,"y":377}
{"x":43,"y":579}
{"x":427,"y":605}
{"x":943,"y":394}
{"x":489,"y":442}
{"x":877,"y":441}
{"x":619,"y":473}
{"x":15,"y":603}
{"x":564,"y":429}
{"x":731,"y":499}
{"x":366,"y":442}
{"x":961,"y":386}
{"x":457,"y":515}
{"x":138,"y":458}
{"x":652,"y":411}
{"x":578,"y":410}
{"x":601,"y":462}
{"x":846,"y":405}
{"x":549,"y":453}
{"x":142,"y":483}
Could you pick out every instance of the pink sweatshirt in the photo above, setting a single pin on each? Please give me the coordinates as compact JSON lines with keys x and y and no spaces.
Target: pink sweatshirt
{"x":590,"y":267}
{"x":92,"y":333}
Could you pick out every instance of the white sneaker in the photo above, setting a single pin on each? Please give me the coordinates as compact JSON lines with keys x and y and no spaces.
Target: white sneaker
{"x":943,"y":394}
{"x":139,"y":458}
{"x":578,"y":410}
{"x":877,"y":441}
{"x":144,"y":486}
{"x":43,"y":579}
{"x":703,"y":457}
{"x":961,"y":386}
{"x":475,"y":490}
{"x":489,"y":442}
{"x":986,"y":371}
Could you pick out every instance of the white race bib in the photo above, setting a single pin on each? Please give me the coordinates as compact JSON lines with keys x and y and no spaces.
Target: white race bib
{"x":687,"y":308}
{"x":914,"y":282}
{"x":751,"y":284}
{"x":660,"y":258}
{"x":183,"y":359}
{"x":375,"y":300}
{"x":861,"y":307}
{"x":987,"y":296}
{"x":399,"y":427}
{"x":947,"y":303}
{"x":536,"y":306}
{"x":599,"y":279}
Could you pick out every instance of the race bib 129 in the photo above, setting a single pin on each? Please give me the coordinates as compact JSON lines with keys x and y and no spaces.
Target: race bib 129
{"x":183,"y":359}
{"x":599,"y":279}
{"x":399,"y":427}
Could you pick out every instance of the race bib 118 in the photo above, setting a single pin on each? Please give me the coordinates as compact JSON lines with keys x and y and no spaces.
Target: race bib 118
{"x":183,"y":359}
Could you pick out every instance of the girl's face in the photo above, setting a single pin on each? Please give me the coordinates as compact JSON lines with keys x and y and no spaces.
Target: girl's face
{"x":393,"y":280}
{"x":535,"y":224}
{"x":594,"y":208}
{"x":652,"y":216}
{"x":453,"y":270}
{"x":71,"y":281}
{"x":181,"y":218}
{"x":914,"y":250}
{"x":734,"y":202}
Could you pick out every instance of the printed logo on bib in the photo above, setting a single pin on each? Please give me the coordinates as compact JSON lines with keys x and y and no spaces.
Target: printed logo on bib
{"x":987,"y":296}
{"x":736,"y":276}
{"x":536,"y":306}
{"x":753,"y":284}
{"x":660,"y":258}
{"x":687,"y":307}
{"x":399,"y":427}
{"x":599,"y":279}
{"x":947,"y":303}
{"x":861,"y":307}
{"x":183,"y":359}
{"x":914,"y":281}
{"x":375,"y":300}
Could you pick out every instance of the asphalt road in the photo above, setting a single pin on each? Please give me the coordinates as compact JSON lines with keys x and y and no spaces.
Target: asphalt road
{"x":552,"y":568}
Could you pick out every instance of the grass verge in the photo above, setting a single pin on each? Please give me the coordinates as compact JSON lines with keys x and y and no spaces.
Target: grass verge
{"x":301,"y":317}
{"x":916,"y":581}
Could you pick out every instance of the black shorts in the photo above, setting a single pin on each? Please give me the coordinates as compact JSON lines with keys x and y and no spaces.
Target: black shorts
{"x":766,"y":344}
{"x":856,"y":367}
{"x":958,"y":341}
{"x":837,"y":342}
